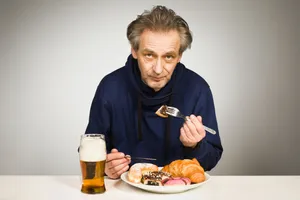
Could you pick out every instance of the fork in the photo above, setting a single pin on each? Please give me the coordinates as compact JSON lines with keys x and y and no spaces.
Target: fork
{"x":139,"y":158}
{"x":176,"y":113}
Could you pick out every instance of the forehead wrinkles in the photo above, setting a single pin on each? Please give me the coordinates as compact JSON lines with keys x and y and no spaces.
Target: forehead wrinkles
{"x":160,"y":42}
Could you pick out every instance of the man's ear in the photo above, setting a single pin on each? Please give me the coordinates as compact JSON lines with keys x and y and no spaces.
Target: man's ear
{"x":179,"y":58}
{"x":134,"y":53}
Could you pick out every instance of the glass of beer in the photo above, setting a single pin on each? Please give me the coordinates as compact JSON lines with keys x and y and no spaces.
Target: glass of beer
{"x":92,"y":155}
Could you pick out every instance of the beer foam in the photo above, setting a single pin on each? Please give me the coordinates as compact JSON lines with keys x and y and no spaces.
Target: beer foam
{"x":92,"y":150}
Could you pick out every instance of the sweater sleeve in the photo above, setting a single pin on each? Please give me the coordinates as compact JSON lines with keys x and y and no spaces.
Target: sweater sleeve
{"x":99,"y":117}
{"x":209,"y":150}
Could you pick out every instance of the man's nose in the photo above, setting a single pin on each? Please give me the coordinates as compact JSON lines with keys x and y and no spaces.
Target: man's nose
{"x":158,"y":67}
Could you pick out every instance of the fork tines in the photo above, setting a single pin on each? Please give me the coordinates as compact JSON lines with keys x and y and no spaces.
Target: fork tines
{"x":170,"y":109}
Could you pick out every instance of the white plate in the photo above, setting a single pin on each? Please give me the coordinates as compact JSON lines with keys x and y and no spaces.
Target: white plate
{"x":164,"y":189}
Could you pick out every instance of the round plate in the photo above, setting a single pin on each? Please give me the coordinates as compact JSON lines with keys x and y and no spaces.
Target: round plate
{"x":164,"y":189}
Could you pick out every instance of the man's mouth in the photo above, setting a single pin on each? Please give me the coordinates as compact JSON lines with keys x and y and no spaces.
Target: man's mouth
{"x":156,"y":79}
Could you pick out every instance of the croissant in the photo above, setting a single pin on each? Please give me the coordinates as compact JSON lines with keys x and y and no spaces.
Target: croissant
{"x":186,"y":168}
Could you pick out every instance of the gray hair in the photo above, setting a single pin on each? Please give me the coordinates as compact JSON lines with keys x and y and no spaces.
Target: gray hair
{"x":163,"y":19}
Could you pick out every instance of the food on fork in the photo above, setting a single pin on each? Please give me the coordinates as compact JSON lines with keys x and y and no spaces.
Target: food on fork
{"x":186,"y":168}
{"x":138,"y":169}
{"x":162,"y":111}
{"x":155,"y":178}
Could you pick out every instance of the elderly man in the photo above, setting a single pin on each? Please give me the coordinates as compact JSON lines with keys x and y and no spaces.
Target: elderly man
{"x":124,"y":105}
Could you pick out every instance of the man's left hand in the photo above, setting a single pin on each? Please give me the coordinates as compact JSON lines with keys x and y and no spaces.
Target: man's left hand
{"x":192,"y":131}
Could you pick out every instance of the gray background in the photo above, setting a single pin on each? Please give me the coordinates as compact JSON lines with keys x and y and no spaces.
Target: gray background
{"x":54,"y":53}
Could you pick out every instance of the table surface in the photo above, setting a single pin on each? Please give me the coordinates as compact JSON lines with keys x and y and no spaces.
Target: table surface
{"x":218,"y":187}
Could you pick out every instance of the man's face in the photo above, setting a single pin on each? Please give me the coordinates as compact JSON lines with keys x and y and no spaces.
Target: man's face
{"x":157,"y":57}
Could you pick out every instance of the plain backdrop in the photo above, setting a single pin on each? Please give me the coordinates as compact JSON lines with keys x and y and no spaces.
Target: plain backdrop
{"x":54,"y":53}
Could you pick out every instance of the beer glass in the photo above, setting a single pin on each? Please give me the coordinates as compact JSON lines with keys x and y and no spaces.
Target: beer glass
{"x":92,"y":155}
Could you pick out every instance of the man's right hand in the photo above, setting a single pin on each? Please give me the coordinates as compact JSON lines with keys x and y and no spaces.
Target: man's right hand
{"x":116,"y":164}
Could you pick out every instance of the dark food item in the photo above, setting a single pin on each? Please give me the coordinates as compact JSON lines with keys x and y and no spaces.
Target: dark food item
{"x":154,"y":178}
{"x":162,"y":111}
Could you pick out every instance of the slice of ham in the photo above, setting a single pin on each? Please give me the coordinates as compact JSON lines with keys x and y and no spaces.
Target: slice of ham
{"x":177,"y":181}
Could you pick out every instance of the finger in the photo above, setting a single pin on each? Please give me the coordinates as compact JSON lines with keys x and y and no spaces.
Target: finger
{"x":109,"y":172}
{"x":194,"y":135}
{"x":124,"y":170}
{"x":184,"y":139}
{"x":114,"y":156}
{"x":198,"y":123}
{"x":192,"y":128}
{"x":199,"y":119}
{"x":183,"y":136}
{"x":110,"y":156}
{"x":114,"y":163}
{"x":113,"y":175}
{"x":187,"y":132}
{"x":121,"y":169}
{"x":114,"y":150}
{"x":128,"y":157}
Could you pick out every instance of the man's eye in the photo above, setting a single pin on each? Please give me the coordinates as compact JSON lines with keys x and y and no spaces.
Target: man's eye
{"x":169,"y":57}
{"x":148,"y":55}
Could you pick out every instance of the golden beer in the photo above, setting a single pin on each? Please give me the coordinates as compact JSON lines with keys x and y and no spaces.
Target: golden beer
{"x":92,"y":153}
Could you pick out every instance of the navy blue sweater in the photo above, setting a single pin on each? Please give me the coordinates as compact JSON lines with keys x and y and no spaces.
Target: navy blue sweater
{"x":123,"y":109}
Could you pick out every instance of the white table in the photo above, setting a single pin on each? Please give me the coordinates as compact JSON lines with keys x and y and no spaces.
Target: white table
{"x":219,"y":187}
